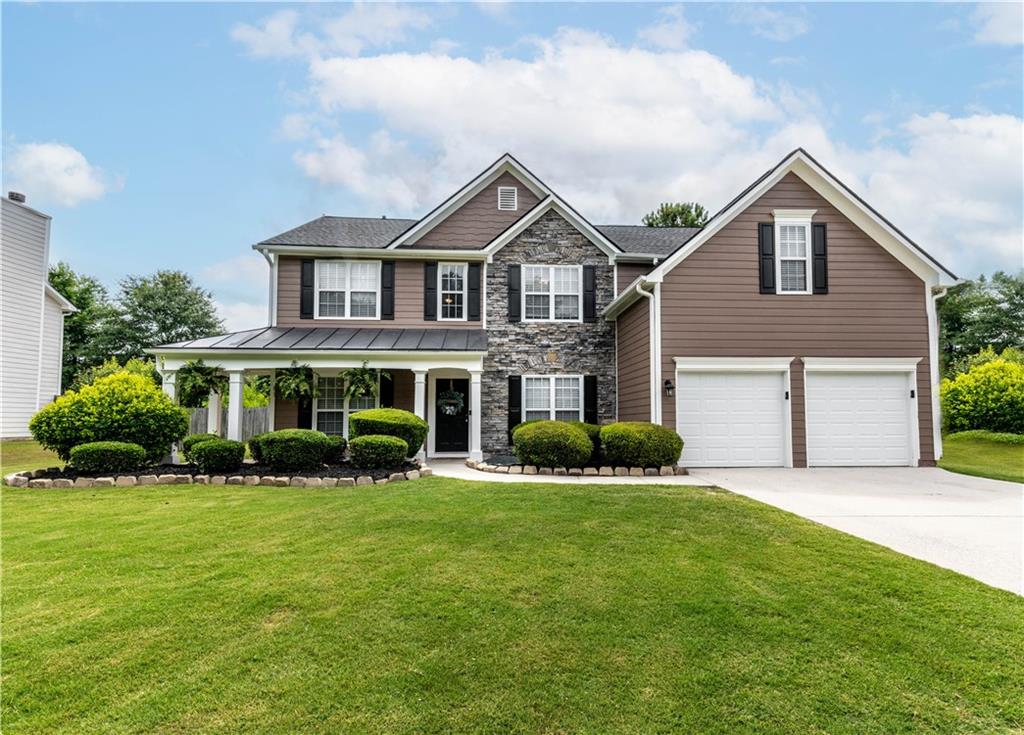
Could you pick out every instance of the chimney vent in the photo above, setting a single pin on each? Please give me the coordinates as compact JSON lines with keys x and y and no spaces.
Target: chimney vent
{"x":16,"y":196}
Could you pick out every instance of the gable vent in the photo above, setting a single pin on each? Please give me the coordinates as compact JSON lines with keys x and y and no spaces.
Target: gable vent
{"x":507,"y":198}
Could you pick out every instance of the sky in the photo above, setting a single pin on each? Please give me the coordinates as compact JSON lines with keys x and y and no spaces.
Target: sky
{"x":177,"y":135}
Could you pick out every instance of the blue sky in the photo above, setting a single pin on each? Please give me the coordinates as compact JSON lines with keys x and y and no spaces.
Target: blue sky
{"x":176,"y":135}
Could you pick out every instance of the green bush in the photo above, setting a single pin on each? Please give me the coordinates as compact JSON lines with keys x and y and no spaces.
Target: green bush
{"x":989,"y":436}
{"x":256,"y":447}
{"x":218,"y":455}
{"x":108,"y":457}
{"x":191,"y":440}
{"x":990,"y":396}
{"x":552,"y":444}
{"x":640,"y":444}
{"x":390,"y":422}
{"x":593,"y":432}
{"x":336,"y":446}
{"x":378,"y":451}
{"x":294,"y":449}
{"x":120,"y":407}
{"x":517,"y":427}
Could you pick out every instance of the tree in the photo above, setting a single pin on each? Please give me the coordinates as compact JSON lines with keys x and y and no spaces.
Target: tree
{"x":85,"y":345}
{"x":145,"y":368}
{"x":159,"y":309}
{"x":677,"y":214}
{"x":981,"y":313}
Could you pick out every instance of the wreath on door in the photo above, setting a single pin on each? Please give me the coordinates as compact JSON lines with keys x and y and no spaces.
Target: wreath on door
{"x":451,"y":402}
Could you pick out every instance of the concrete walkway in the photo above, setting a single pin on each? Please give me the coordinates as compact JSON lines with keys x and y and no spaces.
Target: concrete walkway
{"x":457,"y":468}
{"x":968,"y":524}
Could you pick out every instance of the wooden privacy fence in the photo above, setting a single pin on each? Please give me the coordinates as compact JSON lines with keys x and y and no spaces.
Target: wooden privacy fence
{"x":254,"y":421}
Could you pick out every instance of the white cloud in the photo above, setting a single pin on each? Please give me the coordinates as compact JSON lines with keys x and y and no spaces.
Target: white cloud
{"x":240,"y":315}
{"x":249,"y":268}
{"x":55,"y":173}
{"x":275,"y":38}
{"x":999,"y":23}
{"x":770,"y":23}
{"x":234,"y":282}
{"x":672,"y":31}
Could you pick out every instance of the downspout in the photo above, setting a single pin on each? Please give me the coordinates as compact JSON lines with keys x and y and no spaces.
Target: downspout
{"x":272,"y":294}
{"x":937,"y":292}
{"x":652,"y":334}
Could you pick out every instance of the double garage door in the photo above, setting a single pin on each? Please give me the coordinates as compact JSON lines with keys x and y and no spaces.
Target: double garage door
{"x":732,"y":418}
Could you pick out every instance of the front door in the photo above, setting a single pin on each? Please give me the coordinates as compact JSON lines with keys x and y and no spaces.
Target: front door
{"x":451,"y":415}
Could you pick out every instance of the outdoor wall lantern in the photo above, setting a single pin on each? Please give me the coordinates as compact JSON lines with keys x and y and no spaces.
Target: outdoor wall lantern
{"x":670,"y":389}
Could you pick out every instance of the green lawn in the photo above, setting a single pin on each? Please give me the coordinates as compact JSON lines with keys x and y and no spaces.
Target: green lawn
{"x":971,"y":453}
{"x":25,"y":454}
{"x":443,"y":606}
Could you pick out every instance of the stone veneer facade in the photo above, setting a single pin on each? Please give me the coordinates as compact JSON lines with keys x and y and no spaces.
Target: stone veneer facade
{"x":544,"y":348}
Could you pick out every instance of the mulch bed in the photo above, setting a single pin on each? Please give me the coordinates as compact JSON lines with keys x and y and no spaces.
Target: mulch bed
{"x":341,"y":470}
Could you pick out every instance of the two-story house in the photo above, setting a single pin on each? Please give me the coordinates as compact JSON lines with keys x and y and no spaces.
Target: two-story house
{"x":797,"y":328}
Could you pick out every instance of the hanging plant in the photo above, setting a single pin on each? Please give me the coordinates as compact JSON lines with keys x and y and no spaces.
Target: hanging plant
{"x":451,"y":402}
{"x":296,"y":383}
{"x":196,"y":381}
{"x":363,"y":381}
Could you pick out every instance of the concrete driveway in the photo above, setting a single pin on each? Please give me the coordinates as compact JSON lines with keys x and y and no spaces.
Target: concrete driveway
{"x":968,"y":524}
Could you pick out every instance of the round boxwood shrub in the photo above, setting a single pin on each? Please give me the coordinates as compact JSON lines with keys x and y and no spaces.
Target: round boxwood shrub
{"x":552,"y":444}
{"x":593,"y":432}
{"x":107,"y":457}
{"x":218,"y":455}
{"x":390,"y":422}
{"x":640,"y":444}
{"x":256,"y":447}
{"x":294,"y":449}
{"x":336,"y":446}
{"x":122,"y":407}
{"x":191,"y":440}
{"x":989,"y":396}
{"x":377,"y":451}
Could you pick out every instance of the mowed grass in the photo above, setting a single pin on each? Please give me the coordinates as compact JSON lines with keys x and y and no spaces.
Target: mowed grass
{"x":971,"y":453}
{"x":25,"y":454}
{"x":444,"y":606}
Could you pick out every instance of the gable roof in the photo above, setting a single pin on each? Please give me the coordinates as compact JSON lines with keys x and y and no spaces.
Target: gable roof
{"x":343,"y":232}
{"x":644,"y":240}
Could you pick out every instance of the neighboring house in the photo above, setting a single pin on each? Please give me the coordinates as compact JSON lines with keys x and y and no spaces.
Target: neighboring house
{"x":32,"y":317}
{"x":798,"y":327}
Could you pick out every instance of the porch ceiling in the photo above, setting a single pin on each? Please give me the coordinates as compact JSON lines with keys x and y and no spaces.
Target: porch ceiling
{"x":338,"y":339}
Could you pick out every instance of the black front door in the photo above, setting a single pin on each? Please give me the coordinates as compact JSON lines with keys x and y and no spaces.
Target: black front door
{"x":451,"y":415}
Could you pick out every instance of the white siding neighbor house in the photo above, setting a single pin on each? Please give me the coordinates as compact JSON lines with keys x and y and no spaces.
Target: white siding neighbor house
{"x":31,"y":318}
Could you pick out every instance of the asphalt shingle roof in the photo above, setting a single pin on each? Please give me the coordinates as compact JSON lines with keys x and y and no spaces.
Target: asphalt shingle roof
{"x":361,"y":339}
{"x":344,"y":232}
{"x":648,"y":240}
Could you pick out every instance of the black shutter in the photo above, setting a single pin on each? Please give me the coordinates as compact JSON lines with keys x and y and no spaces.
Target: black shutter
{"x":515,"y":403}
{"x":387,"y":392}
{"x":430,"y":292}
{"x":766,"y":253}
{"x":514,"y":276}
{"x":387,"y":289}
{"x":306,"y":288}
{"x":473,"y":293}
{"x":589,"y":293}
{"x":590,"y":399}
{"x":820,"y":259}
{"x":305,"y":413}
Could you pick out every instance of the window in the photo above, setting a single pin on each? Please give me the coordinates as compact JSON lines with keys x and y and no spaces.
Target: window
{"x":347,"y":289}
{"x":552,"y":292}
{"x":793,"y":250}
{"x":508,"y":198}
{"x":451,"y":291}
{"x":329,"y":407}
{"x":555,"y":397}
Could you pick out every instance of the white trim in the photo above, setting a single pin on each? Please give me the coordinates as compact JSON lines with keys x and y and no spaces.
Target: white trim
{"x":551,"y":293}
{"x":329,"y":252}
{"x":431,"y":412}
{"x":796,"y":215}
{"x":931,"y":309}
{"x":66,"y":307}
{"x":565,"y":211}
{"x":504,"y":191}
{"x":802,"y":220}
{"x":346,"y":411}
{"x":862,"y":364}
{"x":732,"y":364}
{"x":552,"y":410}
{"x":657,"y":413}
{"x":274,"y":259}
{"x":348,"y":290}
{"x":264,"y":360}
{"x":465,"y":291}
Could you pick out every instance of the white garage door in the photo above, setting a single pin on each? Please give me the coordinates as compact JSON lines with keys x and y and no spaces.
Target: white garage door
{"x":858,"y":419}
{"x":732,"y":419}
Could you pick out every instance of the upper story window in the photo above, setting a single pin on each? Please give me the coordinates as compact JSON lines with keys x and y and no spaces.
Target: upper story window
{"x":556,"y":397}
{"x":332,"y":410}
{"x":552,"y":292}
{"x":508,"y":198}
{"x":347,"y":289}
{"x":793,"y":251}
{"x":451,"y":291}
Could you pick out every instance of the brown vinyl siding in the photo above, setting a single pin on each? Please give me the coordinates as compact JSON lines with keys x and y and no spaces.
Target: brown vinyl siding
{"x":408,"y":300}
{"x":479,"y":220}
{"x":711,"y":306}
{"x":286,"y":414}
{"x":629,"y":272}
{"x":633,"y":363}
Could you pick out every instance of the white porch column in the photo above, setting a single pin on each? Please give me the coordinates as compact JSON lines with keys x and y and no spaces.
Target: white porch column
{"x":213,"y":413}
{"x":475,"y":445}
{"x":419,"y":405}
{"x":236,"y":379}
{"x":170,"y":378}
{"x":272,"y":406}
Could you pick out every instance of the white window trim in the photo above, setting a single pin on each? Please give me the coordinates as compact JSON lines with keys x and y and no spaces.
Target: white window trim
{"x":799,"y":218}
{"x":515,"y":198}
{"x":551,"y":294}
{"x":346,"y":411}
{"x":348,"y":291}
{"x":465,"y":293}
{"x":551,"y":394}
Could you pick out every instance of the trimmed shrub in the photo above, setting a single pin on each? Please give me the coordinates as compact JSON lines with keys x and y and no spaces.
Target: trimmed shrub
{"x":378,"y":451}
{"x":640,"y":444}
{"x":517,"y":427}
{"x":122,"y":407}
{"x":990,"y":396}
{"x":107,"y":457}
{"x":256,"y":447}
{"x":552,"y":444}
{"x":191,"y":440}
{"x":593,"y":432}
{"x":294,"y":449}
{"x":988,"y":436}
{"x":336,"y":446}
{"x":218,"y":455}
{"x":390,"y":422}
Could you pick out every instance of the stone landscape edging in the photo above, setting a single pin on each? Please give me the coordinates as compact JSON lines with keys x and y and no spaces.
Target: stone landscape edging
{"x":30,"y":478}
{"x":605,"y":471}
